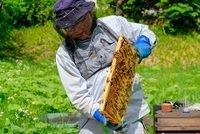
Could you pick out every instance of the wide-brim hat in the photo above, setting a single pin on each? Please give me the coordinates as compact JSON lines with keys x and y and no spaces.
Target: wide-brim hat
{"x":69,"y":11}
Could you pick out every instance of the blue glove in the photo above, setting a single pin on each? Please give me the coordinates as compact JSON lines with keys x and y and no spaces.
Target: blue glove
{"x":99,"y":117}
{"x":142,"y":45}
{"x":103,"y":120}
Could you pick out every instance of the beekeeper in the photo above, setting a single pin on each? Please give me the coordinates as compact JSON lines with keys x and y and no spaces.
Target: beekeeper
{"x":84,"y":58}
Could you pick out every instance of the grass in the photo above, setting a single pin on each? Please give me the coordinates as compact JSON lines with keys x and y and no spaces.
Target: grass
{"x":173,"y":68}
{"x":37,"y":43}
{"x":30,"y":89}
{"x":170,"y":84}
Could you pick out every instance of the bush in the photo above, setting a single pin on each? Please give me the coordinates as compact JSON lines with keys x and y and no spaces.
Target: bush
{"x":173,"y":15}
{"x":135,"y":10}
{"x":7,"y":48}
{"x":104,"y":8}
{"x":17,"y":14}
{"x":180,"y":16}
{"x":29,"y":13}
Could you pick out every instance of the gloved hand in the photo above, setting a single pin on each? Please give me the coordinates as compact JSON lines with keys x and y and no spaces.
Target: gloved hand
{"x":122,"y":127}
{"x":142,"y":45}
{"x":100,"y":117}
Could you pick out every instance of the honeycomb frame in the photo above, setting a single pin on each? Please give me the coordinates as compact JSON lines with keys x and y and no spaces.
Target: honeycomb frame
{"x":119,"y":81}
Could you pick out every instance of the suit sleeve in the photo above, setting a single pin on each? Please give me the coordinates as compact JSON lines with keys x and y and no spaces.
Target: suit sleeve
{"x":129,"y":29}
{"x":74,"y":84}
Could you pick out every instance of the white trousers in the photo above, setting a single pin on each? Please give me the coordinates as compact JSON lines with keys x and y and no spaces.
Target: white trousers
{"x":94,"y":127}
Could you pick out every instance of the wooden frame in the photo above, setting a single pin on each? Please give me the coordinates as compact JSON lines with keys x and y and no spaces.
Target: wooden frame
{"x":119,"y":82}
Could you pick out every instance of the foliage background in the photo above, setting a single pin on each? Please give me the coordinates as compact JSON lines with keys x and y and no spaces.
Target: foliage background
{"x":174,"y":17}
{"x":30,"y":86}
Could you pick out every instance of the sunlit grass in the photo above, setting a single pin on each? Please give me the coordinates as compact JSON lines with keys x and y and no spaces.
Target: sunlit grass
{"x":37,"y":43}
{"x":27,"y":91}
{"x":172,"y":50}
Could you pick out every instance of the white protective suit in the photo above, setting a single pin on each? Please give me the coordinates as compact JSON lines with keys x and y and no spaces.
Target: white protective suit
{"x":86,"y":95}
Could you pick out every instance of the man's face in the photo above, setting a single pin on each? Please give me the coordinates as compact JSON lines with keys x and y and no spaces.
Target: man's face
{"x":81,"y":30}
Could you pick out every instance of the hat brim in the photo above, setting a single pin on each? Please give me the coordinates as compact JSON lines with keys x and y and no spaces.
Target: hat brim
{"x":70,"y":17}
